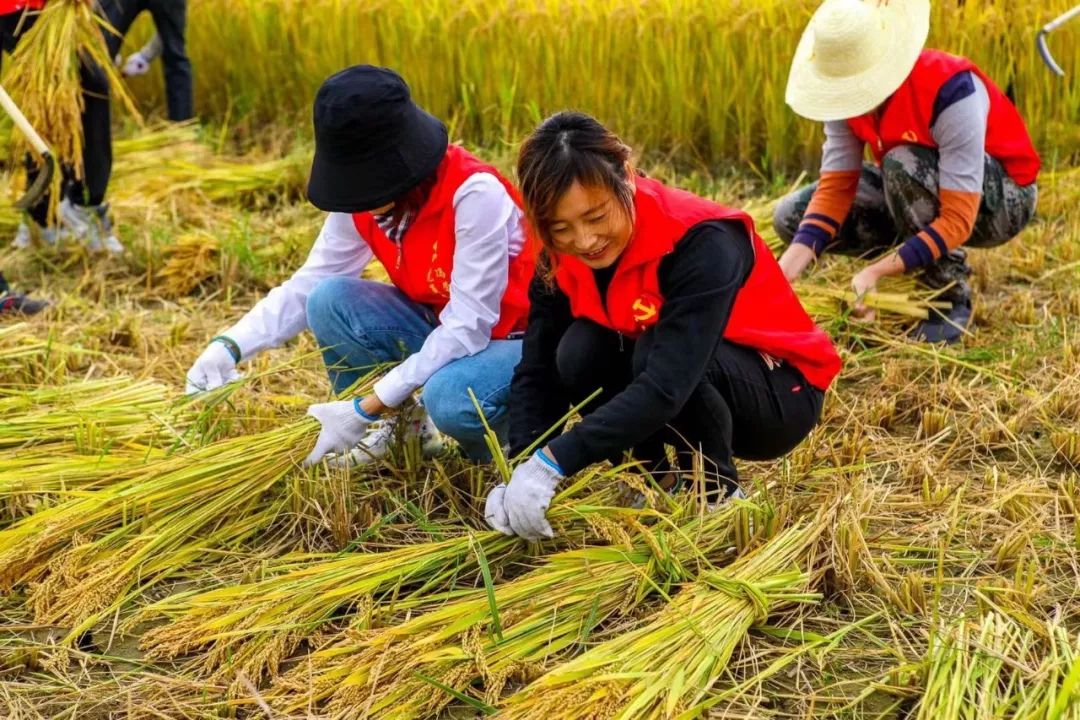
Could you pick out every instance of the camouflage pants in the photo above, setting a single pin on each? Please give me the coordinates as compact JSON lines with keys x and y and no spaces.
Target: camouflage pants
{"x":897,"y":200}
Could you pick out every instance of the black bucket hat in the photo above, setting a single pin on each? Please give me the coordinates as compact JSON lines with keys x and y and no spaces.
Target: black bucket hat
{"x":372,"y":142}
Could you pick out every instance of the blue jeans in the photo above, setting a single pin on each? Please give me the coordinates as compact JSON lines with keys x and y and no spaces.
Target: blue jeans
{"x":361,"y":324}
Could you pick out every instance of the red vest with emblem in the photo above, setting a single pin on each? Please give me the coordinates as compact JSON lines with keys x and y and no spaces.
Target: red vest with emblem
{"x":909,"y":111}
{"x":767,"y":315}
{"x":421,"y":264}
{"x":12,"y":6}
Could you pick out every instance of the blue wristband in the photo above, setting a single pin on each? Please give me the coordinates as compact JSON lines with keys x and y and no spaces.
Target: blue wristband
{"x":360,"y":411}
{"x":230,"y":344}
{"x":549,"y":462}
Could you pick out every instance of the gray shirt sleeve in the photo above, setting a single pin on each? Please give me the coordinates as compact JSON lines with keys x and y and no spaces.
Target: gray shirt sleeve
{"x":843,"y":150}
{"x":960,"y":133}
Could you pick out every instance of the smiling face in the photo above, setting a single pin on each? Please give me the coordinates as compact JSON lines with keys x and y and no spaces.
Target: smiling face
{"x":589,"y":223}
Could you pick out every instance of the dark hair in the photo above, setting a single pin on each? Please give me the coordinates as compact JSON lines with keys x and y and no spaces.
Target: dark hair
{"x":568,"y":147}
{"x":413,"y":199}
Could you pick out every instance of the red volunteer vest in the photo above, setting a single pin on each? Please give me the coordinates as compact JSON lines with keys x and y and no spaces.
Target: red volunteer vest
{"x":767,"y":315}
{"x":909,"y":111}
{"x":12,"y":6}
{"x":420,"y":266}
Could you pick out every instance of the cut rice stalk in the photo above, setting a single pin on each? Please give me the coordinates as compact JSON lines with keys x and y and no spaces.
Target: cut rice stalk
{"x":668,"y":665}
{"x":250,"y":628}
{"x":404,"y":671}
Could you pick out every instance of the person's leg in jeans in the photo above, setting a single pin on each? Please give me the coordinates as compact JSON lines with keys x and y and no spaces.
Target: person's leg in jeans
{"x":487,"y":374}
{"x":170,"y":20}
{"x":746,"y":406}
{"x":868,"y":229}
{"x":361,"y":324}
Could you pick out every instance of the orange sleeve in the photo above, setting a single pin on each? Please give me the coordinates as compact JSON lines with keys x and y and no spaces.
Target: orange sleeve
{"x":828,"y":208}
{"x":950,"y":230}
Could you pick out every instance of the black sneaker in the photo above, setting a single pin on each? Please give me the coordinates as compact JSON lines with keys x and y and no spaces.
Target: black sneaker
{"x":13,"y":303}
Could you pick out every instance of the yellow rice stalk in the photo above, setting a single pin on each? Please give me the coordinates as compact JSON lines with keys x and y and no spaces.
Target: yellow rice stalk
{"x":669,"y":664}
{"x":44,"y":79}
{"x":703,"y":81}
{"x":32,"y":481}
{"x":153,"y":166}
{"x":541,"y":617}
{"x":98,"y":579}
{"x":251,"y":628}
{"x":87,"y":417}
{"x":998,"y":669}
{"x":190,"y":261}
{"x":200,"y":486}
{"x":28,"y":359}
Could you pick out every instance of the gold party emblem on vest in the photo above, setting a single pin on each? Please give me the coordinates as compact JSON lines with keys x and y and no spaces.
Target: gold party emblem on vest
{"x":438,"y":282}
{"x":645,"y":309}
{"x":910,"y":136}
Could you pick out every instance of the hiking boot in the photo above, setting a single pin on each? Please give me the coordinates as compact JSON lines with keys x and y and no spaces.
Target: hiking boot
{"x":383,"y":434}
{"x":947,"y":325}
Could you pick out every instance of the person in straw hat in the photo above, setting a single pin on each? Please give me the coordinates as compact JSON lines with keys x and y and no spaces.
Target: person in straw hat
{"x":448,"y":230}
{"x":954,"y":164}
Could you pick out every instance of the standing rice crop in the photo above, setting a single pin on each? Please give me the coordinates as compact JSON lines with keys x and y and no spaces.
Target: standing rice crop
{"x":694,"y":80}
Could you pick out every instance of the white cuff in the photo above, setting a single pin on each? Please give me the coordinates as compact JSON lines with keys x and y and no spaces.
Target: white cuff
{"x":392,"y":390}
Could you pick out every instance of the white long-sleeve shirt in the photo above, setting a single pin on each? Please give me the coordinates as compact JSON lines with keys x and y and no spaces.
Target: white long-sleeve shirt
{"x":489,"y":234}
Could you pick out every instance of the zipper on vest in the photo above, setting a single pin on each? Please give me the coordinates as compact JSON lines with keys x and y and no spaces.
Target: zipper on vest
{"x":621,"y":347}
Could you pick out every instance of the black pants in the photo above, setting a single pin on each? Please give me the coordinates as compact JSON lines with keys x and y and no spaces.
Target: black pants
{"x":96,"y":124}
{"x":743,"y":407}
{"x":170,"y":21}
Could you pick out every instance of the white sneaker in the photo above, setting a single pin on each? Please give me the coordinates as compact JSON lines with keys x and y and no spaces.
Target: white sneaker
{"x":736,"y":494}
{"x":382,"y":435}
{"x":91,"y":226}
{"x":24,"y":237}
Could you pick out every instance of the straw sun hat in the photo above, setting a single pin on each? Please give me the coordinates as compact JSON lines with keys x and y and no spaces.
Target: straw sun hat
{"x":854,"y":54}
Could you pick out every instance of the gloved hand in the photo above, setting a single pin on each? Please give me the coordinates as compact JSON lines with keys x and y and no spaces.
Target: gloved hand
{"x":212,"y":369}
{"x":529,"y":494}
{"x":343,"y":425}
{"x":495,"y":513}
{"x":136,"y":64}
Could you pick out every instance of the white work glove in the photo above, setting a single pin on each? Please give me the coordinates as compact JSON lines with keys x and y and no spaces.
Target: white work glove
{"x":527,"y":497}
{"x":495,"y":513}
{"x":342,"y":428}
{"x":212,"y":369}
{"x":136,"y":64}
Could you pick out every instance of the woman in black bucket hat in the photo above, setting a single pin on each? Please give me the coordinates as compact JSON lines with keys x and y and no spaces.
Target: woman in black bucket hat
{"x":447,"y":228}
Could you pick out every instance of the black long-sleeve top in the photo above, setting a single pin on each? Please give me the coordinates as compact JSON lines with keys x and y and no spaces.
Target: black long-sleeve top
{"x":699,"y":281}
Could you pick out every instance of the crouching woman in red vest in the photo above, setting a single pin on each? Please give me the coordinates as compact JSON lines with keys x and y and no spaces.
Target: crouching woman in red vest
{"x":668,"y":302}
{"x":449,"y":231}
{"x":954,"y":167}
